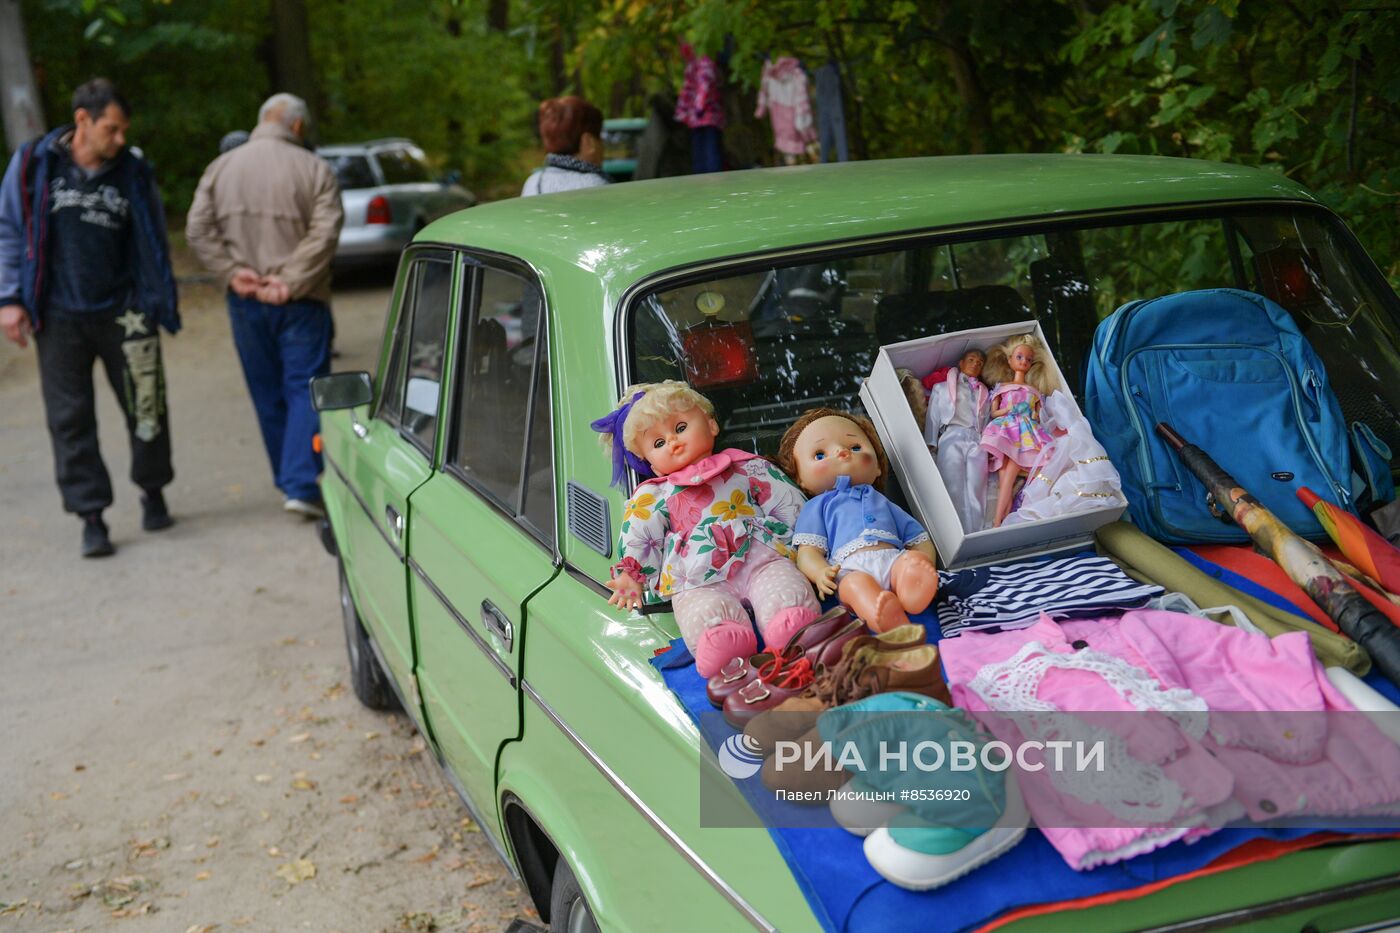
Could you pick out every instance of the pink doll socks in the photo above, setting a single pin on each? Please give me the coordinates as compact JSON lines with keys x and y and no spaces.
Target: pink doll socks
{"x":784,"y":623}
{"x":719,"y":644}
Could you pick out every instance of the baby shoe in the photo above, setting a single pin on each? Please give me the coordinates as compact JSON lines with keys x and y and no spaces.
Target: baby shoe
{"x":860,"y":809}
{"x":919,"y":857}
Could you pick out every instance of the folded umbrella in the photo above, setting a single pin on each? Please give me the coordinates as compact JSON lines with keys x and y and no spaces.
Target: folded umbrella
{"x":1373,"y":555}
{"x":1300,"y":559}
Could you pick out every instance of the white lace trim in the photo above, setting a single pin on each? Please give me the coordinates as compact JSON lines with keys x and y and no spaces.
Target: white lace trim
{"x":863,"y":540}
{"x":1135,"y":791}
{"x":817,"y":541}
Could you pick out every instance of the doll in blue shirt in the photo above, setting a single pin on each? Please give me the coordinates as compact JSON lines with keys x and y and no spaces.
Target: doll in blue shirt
{"x":850,"y":539}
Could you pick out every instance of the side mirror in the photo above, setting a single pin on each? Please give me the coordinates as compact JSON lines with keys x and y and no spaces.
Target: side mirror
{"x":341,"y":390}
{"x":451,"y":178}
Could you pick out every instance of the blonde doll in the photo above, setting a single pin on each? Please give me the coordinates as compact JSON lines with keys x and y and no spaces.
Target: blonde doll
{"x":708,"y":531}
{"x":1013,"y":438}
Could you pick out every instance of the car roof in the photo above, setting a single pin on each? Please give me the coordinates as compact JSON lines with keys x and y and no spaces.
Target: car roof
{"x":395,"y":141}
{"x":623,"y":232}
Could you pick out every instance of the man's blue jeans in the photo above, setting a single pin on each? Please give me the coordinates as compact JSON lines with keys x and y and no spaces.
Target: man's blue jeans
{"x":282,"y":347}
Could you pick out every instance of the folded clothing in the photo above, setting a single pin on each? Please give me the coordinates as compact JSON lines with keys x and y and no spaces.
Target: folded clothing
{"x":1207,"y":762}
{"x":1009,"y":596}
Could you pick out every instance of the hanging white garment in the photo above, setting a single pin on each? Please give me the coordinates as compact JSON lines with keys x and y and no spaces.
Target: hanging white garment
{"x":1073,"y":472}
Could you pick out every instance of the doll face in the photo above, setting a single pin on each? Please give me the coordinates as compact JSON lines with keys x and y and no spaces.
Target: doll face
{"x":678,"y":440}
{"x":830,"y":447}
{"x":1021,"y":359}
{"x":971,"y":364}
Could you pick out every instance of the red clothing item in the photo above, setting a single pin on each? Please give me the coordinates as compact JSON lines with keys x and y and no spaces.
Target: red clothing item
{"x":700,"y":103}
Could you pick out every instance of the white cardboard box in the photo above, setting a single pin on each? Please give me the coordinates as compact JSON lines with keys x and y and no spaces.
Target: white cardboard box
{"x":903,"y":437}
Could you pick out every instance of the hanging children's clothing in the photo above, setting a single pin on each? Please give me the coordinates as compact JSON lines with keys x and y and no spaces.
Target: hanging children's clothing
{"x":1008,"y":596}
{"x":1224,"y":725}
{"x":831,"y":113}
{"x":701,"y":108}
{"x":782,"y":94}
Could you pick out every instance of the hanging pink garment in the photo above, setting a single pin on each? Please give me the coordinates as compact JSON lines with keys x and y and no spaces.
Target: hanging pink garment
{"x":700,"y":102}
{"x":1227,"y":726}
{"x":782,"y":94}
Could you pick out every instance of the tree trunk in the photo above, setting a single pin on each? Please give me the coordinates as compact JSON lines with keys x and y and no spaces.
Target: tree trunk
{"x":979,"y":122}
{"x":19,"y":99}
{"x":292,"y":70}
{"x":498,"y":15}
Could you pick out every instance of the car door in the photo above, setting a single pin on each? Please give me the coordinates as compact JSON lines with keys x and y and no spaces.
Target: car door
{"x":482,"y":529}
{"x":393,"y":456}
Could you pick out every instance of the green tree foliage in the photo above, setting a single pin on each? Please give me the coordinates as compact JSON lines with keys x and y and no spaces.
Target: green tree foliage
{"x":1307,"y":88}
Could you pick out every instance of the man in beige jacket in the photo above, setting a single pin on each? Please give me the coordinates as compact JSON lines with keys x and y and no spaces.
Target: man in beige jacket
{"x":265,"y":218}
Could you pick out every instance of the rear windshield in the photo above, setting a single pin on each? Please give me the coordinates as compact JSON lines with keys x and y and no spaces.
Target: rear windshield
{"x":352,"y":171}
{"x":767,"y":342}
{"x":401,"y":167}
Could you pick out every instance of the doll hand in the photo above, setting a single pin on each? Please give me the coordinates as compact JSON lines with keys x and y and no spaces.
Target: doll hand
{"x":627,"y":593}
{"x":825,"y":581}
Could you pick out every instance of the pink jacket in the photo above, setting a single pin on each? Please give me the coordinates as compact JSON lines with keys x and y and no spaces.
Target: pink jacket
{"x":782,"y":94}
{"x":1211,"y":725}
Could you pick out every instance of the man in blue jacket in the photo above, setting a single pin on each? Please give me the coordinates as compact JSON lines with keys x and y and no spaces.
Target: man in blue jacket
{"x":85,"y":269}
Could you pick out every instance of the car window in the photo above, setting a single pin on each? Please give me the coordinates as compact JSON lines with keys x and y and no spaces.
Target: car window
{"x":391,"y":381}
{"x":494,"y":419}
{"x":352,"y":171}
{"x":431,"y":302}
{"x":401,"y":167}
{"x":539,"y":463}
{"x":765,"y":341}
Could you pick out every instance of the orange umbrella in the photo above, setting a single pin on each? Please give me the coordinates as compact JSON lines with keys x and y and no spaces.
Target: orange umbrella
{"x":1373,"y":555}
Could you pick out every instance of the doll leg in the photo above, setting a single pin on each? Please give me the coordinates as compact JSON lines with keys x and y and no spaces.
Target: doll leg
{"x":782,"y":600}
{"x":1006,"y":491}
{"x":714,"y":625}
{"x":914,"y":580}
{"x":878,"y":608}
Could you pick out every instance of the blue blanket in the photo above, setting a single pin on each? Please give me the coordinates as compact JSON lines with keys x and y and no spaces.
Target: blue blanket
{"x":847,"y":895}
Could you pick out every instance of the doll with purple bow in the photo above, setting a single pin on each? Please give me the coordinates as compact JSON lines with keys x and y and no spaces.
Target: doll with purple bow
{"x":708,"y":531}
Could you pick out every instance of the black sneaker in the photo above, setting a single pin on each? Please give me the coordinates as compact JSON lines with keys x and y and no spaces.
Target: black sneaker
{"x":154,"y":515}
{"x":95,"y":540}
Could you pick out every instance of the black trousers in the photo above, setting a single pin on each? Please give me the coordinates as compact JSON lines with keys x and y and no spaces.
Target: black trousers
{"x":129,"y":348}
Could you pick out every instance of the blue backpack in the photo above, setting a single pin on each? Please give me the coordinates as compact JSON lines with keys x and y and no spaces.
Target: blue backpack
{"x":1229,"y":370}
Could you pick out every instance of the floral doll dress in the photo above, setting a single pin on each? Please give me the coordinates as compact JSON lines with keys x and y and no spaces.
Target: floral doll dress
{"x":697,"y":525}
{"x":1016,"y":435}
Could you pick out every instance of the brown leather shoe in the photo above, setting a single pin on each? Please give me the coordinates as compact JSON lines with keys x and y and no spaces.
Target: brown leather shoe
{"x":818,"y":639}
{"x":810,"y":778}
{"x":833,"y":686}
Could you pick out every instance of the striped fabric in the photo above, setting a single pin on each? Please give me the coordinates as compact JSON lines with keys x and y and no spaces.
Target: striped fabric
{"x":1010,"y":596}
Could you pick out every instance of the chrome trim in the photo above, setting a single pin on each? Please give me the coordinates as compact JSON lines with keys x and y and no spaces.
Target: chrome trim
{"x":364,"y":507}
{"x":1287,"y":905}
{"x":466,"y":626}
{"x":670,"y":835}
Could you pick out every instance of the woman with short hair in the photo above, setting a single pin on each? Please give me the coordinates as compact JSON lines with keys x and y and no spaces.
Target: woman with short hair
{"x":571,"y":129}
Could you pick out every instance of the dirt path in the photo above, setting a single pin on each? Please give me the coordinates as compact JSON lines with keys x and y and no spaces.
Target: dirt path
{"x":179,"y":747}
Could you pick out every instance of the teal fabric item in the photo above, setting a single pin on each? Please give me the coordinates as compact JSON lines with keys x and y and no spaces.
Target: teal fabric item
{"x":970,"y":801}
{"x":1373,"y":463}
{"x":1231,"y":372}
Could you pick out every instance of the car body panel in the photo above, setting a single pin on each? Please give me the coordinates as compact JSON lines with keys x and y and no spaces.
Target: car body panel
{"x":589,"y":740}
{"x":412,"y":205}
{"x":467,"y":674}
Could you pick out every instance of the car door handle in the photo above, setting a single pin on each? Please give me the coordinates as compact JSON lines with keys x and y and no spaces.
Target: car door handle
{"x":496,"y":623}
{"x":394,"y":520}
{"x":360,"y":430}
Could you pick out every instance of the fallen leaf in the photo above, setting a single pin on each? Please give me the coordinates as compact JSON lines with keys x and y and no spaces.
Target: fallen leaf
{"x":75,"y":864}
{"x":263,"y":778}
{"x":202,"y":928}
{"x":483,"y":881}
{"x":212,"y":843}
{"x":350,"y":798}
{"x":299,"y":737}
{"x":141,"y":911}
{"x":426,"y":857}
{"x":274,"y":851}
{"x":303,"y":784}
{"x":297,"y":872}
{"x":13,"y":906}
{"x":204,"y":876}
{"x":177,"y":776}
{"x":371,"y":735}
{"x":80,"y":767}
{"x":58,"y":795}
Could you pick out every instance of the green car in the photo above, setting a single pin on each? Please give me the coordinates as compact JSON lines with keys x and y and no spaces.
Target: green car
{"x":470,"y":509}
